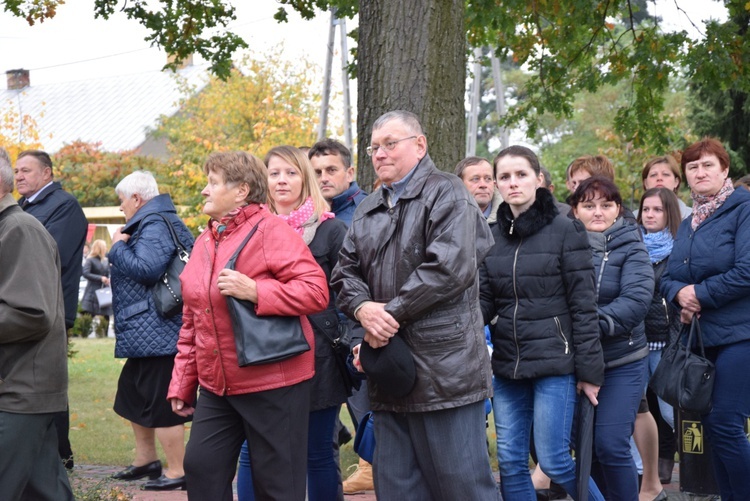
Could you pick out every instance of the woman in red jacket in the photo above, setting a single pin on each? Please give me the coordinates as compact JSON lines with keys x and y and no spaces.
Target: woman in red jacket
{"x":260,"y":403}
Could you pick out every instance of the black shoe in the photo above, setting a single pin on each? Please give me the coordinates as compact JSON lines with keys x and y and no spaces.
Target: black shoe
{"x":165,"y":484}
{"x":554,"y":492}
{"x":344,"y":435}
{"x":151,"y":470}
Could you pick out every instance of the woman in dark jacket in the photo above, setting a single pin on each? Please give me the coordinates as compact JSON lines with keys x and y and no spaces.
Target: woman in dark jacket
{"x":659,"y":217}
{"x":709,"y":275}
{"x":140,"y":254}
{"x":96,"y":273}
{"x":538,"y":281}
{"x":294,"y":196}
{"x":624,"y":289}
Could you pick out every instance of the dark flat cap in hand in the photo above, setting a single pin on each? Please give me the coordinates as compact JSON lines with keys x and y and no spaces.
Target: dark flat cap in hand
{"x":391,"y":367}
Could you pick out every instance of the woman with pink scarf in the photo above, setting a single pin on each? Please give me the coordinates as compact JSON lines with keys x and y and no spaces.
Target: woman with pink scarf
{"x":708,"y":276}
{"x":295,"y":197}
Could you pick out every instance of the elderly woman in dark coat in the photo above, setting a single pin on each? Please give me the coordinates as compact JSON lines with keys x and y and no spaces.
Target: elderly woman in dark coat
{"x":624,"y":289}
{"x":96,"y":273}
{"x":140,"y":254}
{"x":709,"y":275}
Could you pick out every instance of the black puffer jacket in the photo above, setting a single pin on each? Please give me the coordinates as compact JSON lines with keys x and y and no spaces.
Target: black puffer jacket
{"x":420,"y":257}
{"x":328,"y":386}
{"x":625,"y":286}
{"x":539,"y":281}
{"x":663,"y":319}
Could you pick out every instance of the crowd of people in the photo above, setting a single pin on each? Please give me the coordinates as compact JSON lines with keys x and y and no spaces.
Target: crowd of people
{"x":579,"y":301}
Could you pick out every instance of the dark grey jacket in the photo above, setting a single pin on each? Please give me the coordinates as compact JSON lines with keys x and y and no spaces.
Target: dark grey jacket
{"x":539,"y":282}
{"x":624,"y":290}
{"x":93,"y":270}
{"x":33,"y":344}
{"x":420,"y":257}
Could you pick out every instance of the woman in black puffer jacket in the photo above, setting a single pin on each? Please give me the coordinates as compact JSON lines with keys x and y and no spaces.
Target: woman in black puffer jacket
{"x":538,"y":281}
{"x":624,"y":289}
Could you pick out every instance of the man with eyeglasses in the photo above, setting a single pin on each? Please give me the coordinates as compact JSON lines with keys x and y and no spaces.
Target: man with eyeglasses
{"x":407,"y":272}
{"x":479,"y":178}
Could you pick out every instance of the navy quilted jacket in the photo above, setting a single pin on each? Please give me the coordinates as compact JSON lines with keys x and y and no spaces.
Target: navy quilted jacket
{"x":716,"y":258}
{"x":136,"y":265}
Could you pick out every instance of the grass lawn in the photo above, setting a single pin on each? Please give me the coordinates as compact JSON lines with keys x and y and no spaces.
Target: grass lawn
{"x":97,"y":434}
{"x":101,"y":437}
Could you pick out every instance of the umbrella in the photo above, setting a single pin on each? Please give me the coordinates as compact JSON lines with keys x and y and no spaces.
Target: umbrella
{"x":584,"y":445}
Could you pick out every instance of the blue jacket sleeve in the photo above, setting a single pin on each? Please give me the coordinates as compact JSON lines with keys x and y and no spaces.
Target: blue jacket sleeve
{"x":146,"y":258}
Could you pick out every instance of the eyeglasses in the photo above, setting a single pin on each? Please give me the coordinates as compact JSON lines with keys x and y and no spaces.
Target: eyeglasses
{"x":389,"y":146}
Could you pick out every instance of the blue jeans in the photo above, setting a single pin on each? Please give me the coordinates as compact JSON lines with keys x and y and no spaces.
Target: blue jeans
{"x":613,"y":469}
{"x":322,"y":475}
{"x":730,"y":449}
{"x":548,"y":402}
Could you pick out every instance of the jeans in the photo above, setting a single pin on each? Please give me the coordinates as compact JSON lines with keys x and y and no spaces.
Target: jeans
{"x":613,"y":469}
{"x":548,"y":402}
{"x":667,"y":411}
{"x":724,"y":424}
{"x":322,"y":475}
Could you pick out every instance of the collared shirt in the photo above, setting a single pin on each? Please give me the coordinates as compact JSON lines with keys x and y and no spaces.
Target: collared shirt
{"x":35,"y":195}
{"x":397,"y":188}
{"x":488,"y":211}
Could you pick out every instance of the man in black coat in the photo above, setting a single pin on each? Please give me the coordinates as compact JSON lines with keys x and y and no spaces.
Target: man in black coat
{"x":62,"y":216}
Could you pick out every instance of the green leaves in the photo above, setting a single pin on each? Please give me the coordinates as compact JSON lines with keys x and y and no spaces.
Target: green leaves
{"x":185,"y":27}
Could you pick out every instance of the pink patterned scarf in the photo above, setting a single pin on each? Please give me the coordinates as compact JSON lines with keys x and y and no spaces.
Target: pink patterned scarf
{"x":218,"y":226}
{"x":705,"y":205}
{"x":303,"y":220}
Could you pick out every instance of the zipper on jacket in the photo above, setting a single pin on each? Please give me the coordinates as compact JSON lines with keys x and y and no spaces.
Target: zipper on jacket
{"x":666,"y":310}
{"x":565,"y":340}
{"x":510,"y":232}
{"x":601,"y":272}
{"x":515,"y":310}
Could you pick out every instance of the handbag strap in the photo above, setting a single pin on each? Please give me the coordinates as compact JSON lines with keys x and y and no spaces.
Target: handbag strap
{"x":233,"y":259}
{"x":181,"y":250}
{"x":695,"y":327}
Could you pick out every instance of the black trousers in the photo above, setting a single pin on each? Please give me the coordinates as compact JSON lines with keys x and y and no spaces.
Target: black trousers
{"x":274,"y":422}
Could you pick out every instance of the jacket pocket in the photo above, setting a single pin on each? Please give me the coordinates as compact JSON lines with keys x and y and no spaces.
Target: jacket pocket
{"x":561,"y":333}
{"x":134,"y":309}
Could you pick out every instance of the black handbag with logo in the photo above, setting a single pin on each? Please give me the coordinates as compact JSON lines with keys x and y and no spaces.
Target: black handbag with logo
{"x":264,"y":339}
{"x":167,"y":292}
{"x":685,"y":379}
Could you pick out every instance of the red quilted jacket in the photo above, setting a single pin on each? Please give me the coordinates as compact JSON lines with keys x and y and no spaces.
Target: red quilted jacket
{"x":289,"y":282}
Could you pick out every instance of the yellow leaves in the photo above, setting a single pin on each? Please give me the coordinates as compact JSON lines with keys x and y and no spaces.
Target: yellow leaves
{"x":747,"y":6}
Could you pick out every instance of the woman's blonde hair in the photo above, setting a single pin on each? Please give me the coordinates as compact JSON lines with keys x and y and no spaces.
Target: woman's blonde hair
{"x":98,"y":249}
{"x":310,"y":188}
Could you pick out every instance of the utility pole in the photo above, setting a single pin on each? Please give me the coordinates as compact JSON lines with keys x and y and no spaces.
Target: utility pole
{"x":499,"y":99}
{"x":326,"y":98}
{"x":345,"y":85}
{"x":476,"y":92}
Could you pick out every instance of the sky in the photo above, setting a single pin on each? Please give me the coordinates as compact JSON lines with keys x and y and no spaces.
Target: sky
{"x":73,"y":45}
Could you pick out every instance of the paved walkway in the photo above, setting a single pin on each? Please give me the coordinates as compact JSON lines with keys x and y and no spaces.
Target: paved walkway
{"x":96,"y":479}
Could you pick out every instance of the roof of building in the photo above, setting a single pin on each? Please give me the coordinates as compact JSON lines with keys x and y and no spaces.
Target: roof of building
{"x":115,"y":111}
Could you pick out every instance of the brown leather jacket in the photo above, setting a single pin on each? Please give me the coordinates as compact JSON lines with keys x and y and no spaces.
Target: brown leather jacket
{"x":420,"y":257}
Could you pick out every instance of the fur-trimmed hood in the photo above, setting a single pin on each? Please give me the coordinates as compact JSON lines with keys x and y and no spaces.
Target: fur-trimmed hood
{"x":540,"y":214}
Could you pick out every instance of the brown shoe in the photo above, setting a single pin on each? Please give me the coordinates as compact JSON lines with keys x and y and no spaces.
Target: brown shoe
{"x":360,"y":480}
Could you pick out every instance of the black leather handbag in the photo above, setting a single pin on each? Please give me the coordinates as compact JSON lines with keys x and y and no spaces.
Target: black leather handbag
{"x":685,"y":379}
{"x":265,"y":339}
{"x":167,"y":292}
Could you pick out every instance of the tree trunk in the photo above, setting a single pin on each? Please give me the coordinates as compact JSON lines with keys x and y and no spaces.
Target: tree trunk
{"x":412,"y":56}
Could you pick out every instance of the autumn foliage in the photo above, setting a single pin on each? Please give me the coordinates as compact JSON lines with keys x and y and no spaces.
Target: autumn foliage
{"x":265,"y":102}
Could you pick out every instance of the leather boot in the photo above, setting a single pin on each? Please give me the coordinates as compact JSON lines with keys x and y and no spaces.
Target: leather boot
{"x":665,"y":470}
{"x":360,"y":480}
